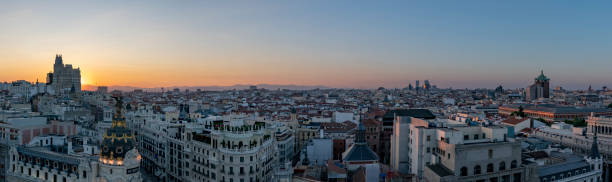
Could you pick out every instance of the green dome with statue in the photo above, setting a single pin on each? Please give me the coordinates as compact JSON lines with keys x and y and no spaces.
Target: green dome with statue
{"x":542,"y":77}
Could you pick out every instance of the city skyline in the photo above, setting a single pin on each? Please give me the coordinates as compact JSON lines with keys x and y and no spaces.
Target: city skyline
{"x":336,"y":44}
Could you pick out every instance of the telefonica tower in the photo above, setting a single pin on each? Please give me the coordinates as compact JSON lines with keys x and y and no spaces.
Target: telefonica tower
{"x":64,"y":78}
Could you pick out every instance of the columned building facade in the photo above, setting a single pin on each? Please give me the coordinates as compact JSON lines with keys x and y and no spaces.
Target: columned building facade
{"x":233,"y":151}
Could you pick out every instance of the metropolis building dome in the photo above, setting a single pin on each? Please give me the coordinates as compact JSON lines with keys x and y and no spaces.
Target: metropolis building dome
{"x":119,"y":158}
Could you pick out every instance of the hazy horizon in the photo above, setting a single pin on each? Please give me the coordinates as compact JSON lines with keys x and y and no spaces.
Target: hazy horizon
{"x":340,"y":44}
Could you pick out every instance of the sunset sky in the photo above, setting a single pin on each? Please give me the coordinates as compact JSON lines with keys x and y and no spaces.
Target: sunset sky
{"x":363,"y":44}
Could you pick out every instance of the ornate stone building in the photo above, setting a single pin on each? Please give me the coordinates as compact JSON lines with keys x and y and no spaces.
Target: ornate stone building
{"x":234,"y":150}
{"x":57,"y":160}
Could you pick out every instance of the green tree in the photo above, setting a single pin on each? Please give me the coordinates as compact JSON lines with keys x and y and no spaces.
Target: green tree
{"x":519,"y":112}
{"x":576,"y":122}
{"x":542,"y":120}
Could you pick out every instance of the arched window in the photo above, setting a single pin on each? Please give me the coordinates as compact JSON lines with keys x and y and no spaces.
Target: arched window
{"x":476,"y":169}
{"x":489,"y":168}
{"x":464,"y":171}
{"x":502,"y":166}
{"x":513,"y":164}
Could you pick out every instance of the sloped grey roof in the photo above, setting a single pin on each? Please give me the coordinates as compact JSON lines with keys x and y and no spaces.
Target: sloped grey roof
{"x":360,"y":152}
{"x":440,"y":170}
{"x":571,"y":163}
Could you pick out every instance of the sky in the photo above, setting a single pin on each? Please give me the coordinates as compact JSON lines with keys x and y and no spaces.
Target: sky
{"x":357,"y":44}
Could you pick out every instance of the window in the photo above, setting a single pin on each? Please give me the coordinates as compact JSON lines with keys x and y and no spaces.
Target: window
{"x":513,"y":164}
{"x":477,"y":169}
{"x":466,"y":137}
{"x":241,"y":159}
{"x":502,"y":166}
{"x":428,"y":150}
{"x":489,"y":168}
{"x":484,"y":136}
{"x":490,"y":153}
{"x":464,"y":171}
{"x":476,"y":137}
{"x":428,"y":138}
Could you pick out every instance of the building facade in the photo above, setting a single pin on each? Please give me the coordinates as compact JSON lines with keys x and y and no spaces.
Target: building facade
{"x":64,"y":78}
{"x":539,"y":89}
{"x":551,"y":113}
{"x":478,"y":154}
{"x":233,"y":151}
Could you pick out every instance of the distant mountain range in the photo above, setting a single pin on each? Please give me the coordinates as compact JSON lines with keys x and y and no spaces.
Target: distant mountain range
{"x":208,"y":88}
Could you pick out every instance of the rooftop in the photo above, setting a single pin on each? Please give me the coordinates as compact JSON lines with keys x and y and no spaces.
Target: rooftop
{"x":558,"y":109}
{"x":440,"y":170}
{"x":359,"y":152}
{"x":570,"y":163}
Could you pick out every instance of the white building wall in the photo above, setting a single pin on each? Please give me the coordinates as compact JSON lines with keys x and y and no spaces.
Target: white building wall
{"x":400,"y":141}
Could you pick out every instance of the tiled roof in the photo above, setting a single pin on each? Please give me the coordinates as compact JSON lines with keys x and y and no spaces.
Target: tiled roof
{"x":514,"y":120}
{"x":371,"y":122}
{"x":417,"y":113}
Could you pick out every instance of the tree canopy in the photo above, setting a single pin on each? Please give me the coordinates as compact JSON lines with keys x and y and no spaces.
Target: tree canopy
{"x":519,"y":112}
